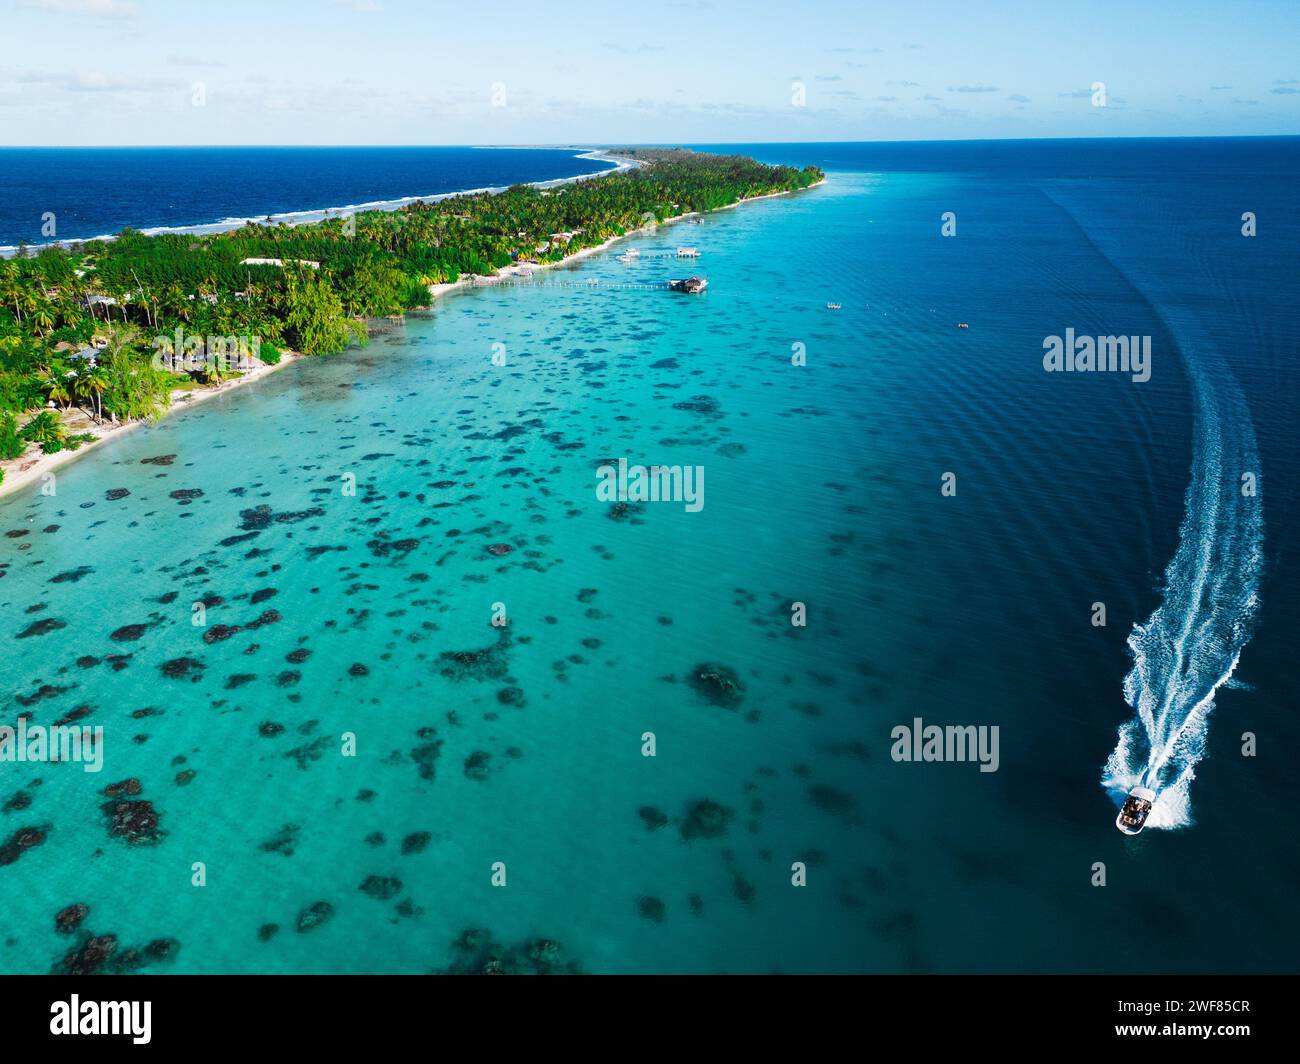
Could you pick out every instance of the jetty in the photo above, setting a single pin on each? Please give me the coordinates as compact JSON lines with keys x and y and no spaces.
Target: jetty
{"x":692,"y":285}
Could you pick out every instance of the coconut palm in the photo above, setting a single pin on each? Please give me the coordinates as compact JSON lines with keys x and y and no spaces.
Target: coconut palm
{"x":175,"y":305}
{"x":27,"y":299}
{"x":54,"y":381}
{"x":42,"y":317}
{"x":9,"y":287}
{"x":44,"y":429}
{"x":90,"y":385}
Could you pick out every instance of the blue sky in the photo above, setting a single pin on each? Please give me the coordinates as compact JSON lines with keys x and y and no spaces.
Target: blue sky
{"x":80,"y":72}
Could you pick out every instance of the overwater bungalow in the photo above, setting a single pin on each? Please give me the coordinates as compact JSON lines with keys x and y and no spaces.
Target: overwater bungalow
{"x":692,"y":285}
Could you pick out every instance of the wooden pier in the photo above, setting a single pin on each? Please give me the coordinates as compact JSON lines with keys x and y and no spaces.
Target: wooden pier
{"x":594,"y":282}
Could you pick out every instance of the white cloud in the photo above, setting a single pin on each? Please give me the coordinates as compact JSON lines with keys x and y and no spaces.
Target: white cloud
{"x":96,"y":81}
{"x":640,"y":49}
{"x":195,"y":61}
{"x":97,"y":8}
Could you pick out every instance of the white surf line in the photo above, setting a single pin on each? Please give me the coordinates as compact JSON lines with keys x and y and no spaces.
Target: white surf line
{"x":320,"y":214}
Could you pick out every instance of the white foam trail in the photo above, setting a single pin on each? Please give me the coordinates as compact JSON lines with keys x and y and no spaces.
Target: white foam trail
{"x":1189,"y":647}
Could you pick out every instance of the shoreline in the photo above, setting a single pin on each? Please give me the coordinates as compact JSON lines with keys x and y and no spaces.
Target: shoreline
{"x":319,"y":214}
{"x":25,"y":471}
{"x":480,"y":281}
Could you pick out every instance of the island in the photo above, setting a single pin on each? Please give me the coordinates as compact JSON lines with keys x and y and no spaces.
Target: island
{"x":100,"y":335}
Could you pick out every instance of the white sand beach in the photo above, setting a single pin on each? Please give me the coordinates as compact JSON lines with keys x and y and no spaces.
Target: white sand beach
{"x":27,"y":471}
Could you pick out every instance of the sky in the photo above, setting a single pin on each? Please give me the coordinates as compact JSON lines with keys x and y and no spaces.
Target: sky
{"x":177,"y":72}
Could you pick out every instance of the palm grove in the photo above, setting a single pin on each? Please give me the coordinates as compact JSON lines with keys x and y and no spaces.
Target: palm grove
{"x":122,"y":295}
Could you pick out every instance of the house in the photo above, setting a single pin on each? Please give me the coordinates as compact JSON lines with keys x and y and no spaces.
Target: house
{"x":692,"y":285}
{"x":279,"y":262}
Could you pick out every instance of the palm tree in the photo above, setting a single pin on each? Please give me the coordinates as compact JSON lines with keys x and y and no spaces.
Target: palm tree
{"x":121,"y":337}
{"x":74,"y":287}
{"x":26,"y":298}
{"x":214,"y":372}
{"x":78,"y":390}
{"x":90,"y":385}
{"x":45,"y":428}
{"x":55,"y":385}
{"x":123,"y":296}
{"x":150,"y":318}
{"x":99,"y":382}
{"x":95,"y":288}
{"x":174,"y":303}
{"x":41,"y":317}
{"x":9,"y":286}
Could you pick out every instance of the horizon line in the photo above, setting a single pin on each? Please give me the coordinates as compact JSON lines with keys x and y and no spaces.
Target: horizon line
{"x":597,"y":146}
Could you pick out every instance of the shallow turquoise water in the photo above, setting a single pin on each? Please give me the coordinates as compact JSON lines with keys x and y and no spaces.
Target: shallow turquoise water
{"x":821,"y":486}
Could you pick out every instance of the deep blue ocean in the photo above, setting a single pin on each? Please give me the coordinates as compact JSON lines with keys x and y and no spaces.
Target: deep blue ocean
{"x":99,"y":191}
{"x":522,"y":745}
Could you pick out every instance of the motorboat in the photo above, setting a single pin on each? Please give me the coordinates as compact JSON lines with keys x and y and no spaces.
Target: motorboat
{"x":1137,"y":807}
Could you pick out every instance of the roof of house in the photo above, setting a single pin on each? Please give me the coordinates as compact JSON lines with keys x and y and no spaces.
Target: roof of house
{"x":278,"y":262}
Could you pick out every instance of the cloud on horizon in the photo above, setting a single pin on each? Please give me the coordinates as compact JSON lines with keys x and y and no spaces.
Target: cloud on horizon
{"x":95,"y":8}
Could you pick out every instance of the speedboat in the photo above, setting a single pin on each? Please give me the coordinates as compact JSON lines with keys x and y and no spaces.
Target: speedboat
{"x":1137,"y":807}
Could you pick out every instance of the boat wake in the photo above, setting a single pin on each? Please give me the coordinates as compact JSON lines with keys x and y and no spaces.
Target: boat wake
{"x":1190,"y":645}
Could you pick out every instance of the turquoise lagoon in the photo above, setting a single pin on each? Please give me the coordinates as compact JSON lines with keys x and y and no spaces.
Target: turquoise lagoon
{"x":477,"y":745}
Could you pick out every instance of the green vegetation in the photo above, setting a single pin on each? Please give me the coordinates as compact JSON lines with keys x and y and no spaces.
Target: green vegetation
{"x":46,"y":431}
{"x":133,"y":298}
{"x":11,"y":445}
